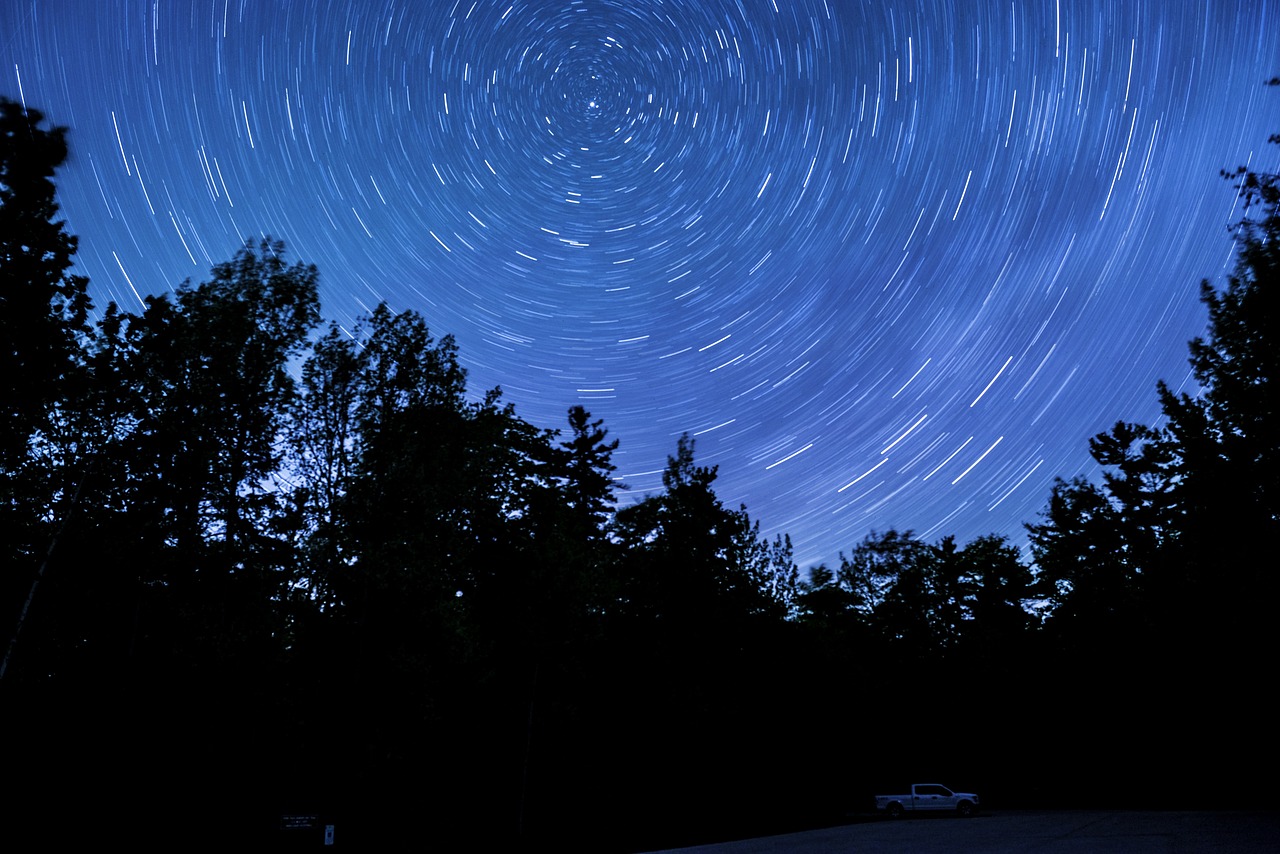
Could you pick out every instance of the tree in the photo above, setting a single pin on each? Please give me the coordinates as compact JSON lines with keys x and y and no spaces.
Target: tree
{"x":687,"y":559}
{"x":43,"y":316}
{"x":1161,"y":595}
{"x":919,"y":597}
{"x":997,"y":587}
{"x":447,"y":545}
{"x":1001,"y":586}
{"x":1225,"y":441}
{"x":388,"y":417}
{"x":212,"y":368}
{"x":771,"y":566}
{"x":43,"y":308}
{"x":1084,"y":570}
{"x":323,"y":429}
{"x":589,"y":485}
{"x":202,"y":389}
{"x":1181,"y":501}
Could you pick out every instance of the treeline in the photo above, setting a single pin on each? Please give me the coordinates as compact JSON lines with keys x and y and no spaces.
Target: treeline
{"x":256,"y":566}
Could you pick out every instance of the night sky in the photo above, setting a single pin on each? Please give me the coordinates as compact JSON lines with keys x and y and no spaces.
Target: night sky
{"x":890,"y":263}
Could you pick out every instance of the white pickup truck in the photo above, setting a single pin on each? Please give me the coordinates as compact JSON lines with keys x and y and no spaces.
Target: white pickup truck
{"x":928,"y":797}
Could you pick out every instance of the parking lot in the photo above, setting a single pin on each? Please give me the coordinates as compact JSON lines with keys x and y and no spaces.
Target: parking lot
{"x":1066,"y":832}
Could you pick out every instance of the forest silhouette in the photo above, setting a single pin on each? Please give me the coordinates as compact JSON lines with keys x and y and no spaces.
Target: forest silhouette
{"x":257,"y":567}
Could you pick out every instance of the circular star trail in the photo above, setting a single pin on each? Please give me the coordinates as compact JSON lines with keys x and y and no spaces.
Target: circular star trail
{"x":891,"y":264}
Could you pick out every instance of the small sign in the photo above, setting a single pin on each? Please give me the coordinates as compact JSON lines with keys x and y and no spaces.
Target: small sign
{"x":298,"y":822}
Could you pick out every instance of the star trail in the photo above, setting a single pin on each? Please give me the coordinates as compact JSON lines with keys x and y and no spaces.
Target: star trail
{"x":889,"y":263}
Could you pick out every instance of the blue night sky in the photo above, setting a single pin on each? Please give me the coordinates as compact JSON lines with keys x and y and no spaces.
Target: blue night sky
{"x":890,"y":263}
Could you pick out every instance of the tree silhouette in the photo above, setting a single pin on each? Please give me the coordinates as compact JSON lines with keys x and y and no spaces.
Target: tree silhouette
{"x":1159,"y":592}
{"x":1153,"y":532}
{"x":1000,"y":587}
{"x":43,"y":308}
{"x":333,"y":583}
{"x":43,"y":315}
{"x":588,"y":469}
{"x":688,"y":559}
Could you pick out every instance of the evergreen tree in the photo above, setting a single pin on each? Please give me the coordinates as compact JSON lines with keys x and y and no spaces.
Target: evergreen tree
{"x":1150,"y":543}
{"x":687,"y":559}
{"x":1160,"y":592}
{"x":589,"y":485}
{"x":1224,"y":442}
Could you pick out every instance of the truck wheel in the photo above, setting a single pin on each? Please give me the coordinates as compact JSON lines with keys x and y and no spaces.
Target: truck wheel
{"x":964,"y":809}
{"x":894,"y":810}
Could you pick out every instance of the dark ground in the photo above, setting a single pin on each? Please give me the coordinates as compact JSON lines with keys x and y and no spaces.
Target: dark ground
{"x":1065,"y":832}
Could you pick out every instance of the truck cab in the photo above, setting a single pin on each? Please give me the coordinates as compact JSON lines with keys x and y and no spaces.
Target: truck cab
{"x":928,"y":797}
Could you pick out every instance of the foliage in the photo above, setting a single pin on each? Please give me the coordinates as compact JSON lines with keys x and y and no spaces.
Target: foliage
{"x":43,"y":307}
{"x":689,"y":559}
{"x":1160,"y":594}
{"x":1153,"y":533}
{"x":917,"y":602}
{"x":43,"y":317}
